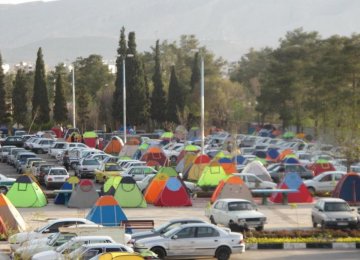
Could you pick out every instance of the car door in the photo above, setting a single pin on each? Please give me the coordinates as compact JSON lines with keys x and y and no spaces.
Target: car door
{"x":216,"y":211}
{"x":182,"y":243}
{"x":206,"y":241}
{"x":88,"y":254}
{"x":325,"y":183}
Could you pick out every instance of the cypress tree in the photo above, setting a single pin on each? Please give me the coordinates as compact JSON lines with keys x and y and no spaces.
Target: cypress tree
{"x":4,"y":108}
{"x":118,"y":93}
{"x":176,"y":100}
{"x":158,"y":101}
{"x":18,"y":98}
{"x":40,"y":100}
{"x":135,"y":85}
{"x":60,"y":109}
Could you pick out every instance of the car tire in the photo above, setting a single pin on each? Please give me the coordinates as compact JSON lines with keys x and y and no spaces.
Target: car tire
{"x":3,"y":189}
{"x":161,"y":253}
{"x":311,"y":190}
{"x":223,"y":253}
{"x":259,"y":228}
{"x":212,"y":220}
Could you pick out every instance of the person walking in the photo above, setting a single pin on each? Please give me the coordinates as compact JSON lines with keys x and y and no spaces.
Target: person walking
{"x":66,"y":160}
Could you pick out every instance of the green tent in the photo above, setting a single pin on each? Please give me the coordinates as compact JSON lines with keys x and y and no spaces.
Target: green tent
{"x":111,"y":185}
{"x":90,"y":134}
{"x":288,"y":135}
{"x":25,"y":193}
{"x":143,"y":146}
{"x":128,"y":194}
{"x":169,"y":171}
{"x":212,"y":175}
{"x":192,"y":148}
{"x":167,"y":135}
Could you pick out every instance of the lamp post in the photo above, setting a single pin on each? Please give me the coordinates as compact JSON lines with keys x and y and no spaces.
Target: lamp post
{"x":73,"y":96}
{"x":124,"y":94}
{"x":202,"y":100}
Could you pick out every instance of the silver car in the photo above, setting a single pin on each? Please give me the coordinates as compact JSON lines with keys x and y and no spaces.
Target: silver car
{"x":194,"y":240}
{"x":324,"y":182}
{"x":334,"y":212}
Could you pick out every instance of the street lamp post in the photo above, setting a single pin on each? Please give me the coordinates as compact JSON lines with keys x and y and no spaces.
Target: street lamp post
{"x":124,"y":94}
{"x":73,"y":96}
{"x":202,"y":105}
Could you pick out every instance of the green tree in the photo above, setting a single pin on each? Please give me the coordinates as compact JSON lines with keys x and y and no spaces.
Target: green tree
{"x":18,"y":100}
{"x":40,"y":100}
{"x":195,"y":73}
{"x":158,"y":100}
{"x":60,"y":108}
{"x":175,"y":98}
{"x":117,"y":105}
{"x":4,"y":107}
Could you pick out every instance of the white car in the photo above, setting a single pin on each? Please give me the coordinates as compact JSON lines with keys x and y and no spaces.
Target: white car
{"x":88,"y":251}
{"x":56,"y":177}
{"x":173,"y":151}
{"x":194,"y":240}
{"x":63,"y":251}
{"x":236,"y":213}
{"x":51,"y":227}
{"x":324,"y":182}
{"x":4,"y":152}
{"x":254,"y":182}
{"x":41,"y":145}
{"x":138,"y":172}
{"x":56,"y":148}
{"x":30,"y":248}
{"x":334,"y":212}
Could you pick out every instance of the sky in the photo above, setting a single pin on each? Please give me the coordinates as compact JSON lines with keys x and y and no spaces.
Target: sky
{"x":20,"y":1}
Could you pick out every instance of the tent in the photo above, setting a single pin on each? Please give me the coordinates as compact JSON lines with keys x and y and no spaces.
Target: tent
{"x":25,"y":193}
{"x":90,"y":138}
{"x":106,"y":212}
{"x":128,"y":194}
{"x":348,"y":189}
{"x":233,"y":187}
{"x":60,"y":197}
{"x":12,"y":221}
{"x":212,"y":175}
{"x":197,"y":168}
{"x":84,"y":195}
{"x":173,"y":194}
{"x":155,"y":154}
{"x":158,"y":182}
{"x":128,"y":150}
{"x":290,"y":160}
{"x":167,"y":136}
{"x":285,"y":153}
{"x":111,"y":185}
{"x":257,"y":168}
{"x":228,"y":165}
{"x":114,"y":146}
{"x":321,"y":166}
{"x":292,"y":180}
{"x":239,"y":159}
{"x":194,"y":149}
{"x":272,"y":155}
{"x":188,"y":161}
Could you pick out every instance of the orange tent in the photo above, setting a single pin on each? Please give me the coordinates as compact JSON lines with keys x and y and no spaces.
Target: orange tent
{"x":155,"y":154}
{"x":284,"y":153}
{"x":114,"y":146}
{"x":11,"y":218}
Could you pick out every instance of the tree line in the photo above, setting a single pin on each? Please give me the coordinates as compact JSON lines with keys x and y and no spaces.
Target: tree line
{"x":162,"y":89}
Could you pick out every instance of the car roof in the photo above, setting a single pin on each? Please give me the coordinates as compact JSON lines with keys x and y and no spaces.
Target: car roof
{"x":103,"y":245}
{"x":70,"y":219}
{"x":196,"y":220}
{"x":203,"y":224}
{"x":91,"y":237}
{"x":232,"y":200}
{"x":331,"y":200}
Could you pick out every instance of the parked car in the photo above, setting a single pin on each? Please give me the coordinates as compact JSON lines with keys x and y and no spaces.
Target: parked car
{"x":324,"y":182}
{"x":26,"y":167}
{"x":172,"y":152}
{"x":20,"y":160}
{"x":56,"y":148}
{"x":56,"y":177}
{"x":194,"y":240}
{"x":334,"y":212}
{"x":236,"y":213}
{"x":138,"y":172}
{"x":13,"y":140}
{"x":106,"y":170}
{"x":162,"y":229}
{"x":52,"y":226}
{"x":4,"y":152}
{"x":100,"y":156}
{"x":41,"y":145}
{"x":86,"y":168}
{"x":5,"y":183}
{"x":43,"y":170}
{"x":254,"y":182}
{"x":67,"y":146}
{"x":29,"y":141}
{"x":88,"y":251}
{"x":63,"y":251}
{"x":282,"y":168}
{"x":12,"y":155}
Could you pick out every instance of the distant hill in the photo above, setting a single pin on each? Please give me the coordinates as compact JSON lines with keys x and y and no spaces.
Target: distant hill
{"x":67,"y":29}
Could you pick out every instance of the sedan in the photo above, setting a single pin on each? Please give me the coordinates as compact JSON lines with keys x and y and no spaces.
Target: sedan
{"x":194,"y":240}
{"x":5,"y":183}
{"x":56,"y":177}
{"x":138,"y":172}
{"x":324,"y":182}
{"x":88,"y":251}
{"x":106,"y":170}
{"x":334,"y":212}
{"x":254,"y":182}
{"x":86,"y":168}
{"x":236,"y":213}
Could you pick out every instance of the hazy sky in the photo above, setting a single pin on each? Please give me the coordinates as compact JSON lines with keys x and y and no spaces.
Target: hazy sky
{"x":20,"y":1}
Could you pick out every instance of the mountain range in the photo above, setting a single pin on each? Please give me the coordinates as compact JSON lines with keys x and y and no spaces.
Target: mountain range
{"x":67,"y":29}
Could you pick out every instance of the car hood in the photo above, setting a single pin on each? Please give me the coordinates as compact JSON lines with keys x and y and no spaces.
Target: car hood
{"x":30,"y":250}
{"x":140,"y":235}
{"x":148,"y":240}
{"x":47,"y":255}
{"x":340,"y":214}
{"x":23,"y":236}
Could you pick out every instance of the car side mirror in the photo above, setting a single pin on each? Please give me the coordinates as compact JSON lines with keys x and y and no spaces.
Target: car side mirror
{"x":174,"y":237}
{"x":46,"y":231}
{"x":320,"y":210}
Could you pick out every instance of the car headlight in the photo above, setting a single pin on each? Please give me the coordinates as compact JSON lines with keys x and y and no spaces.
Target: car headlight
{"x":353,"y":218}
{"x":241,"y":220}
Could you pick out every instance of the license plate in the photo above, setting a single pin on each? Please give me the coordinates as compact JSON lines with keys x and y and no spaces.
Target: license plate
{"x":342,"y":223}
{"x":58,"y":178}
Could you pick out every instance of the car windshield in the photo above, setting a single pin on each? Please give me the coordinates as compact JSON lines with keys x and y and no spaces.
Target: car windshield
{"x":112,"y":168}
{"x":91,"y":162}
{"x":336,"y":206}
{"x":171,"y":232}
{"x":53,"y":238}
{"x":235,"y":206}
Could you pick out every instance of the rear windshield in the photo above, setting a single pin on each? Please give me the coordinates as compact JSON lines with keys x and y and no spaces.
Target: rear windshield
{"x":59,"y":146}
{"x":58,"y":172}
{"x":91,"y":162}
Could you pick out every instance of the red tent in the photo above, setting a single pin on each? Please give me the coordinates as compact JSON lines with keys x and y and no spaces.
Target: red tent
{"x":174,"y":194}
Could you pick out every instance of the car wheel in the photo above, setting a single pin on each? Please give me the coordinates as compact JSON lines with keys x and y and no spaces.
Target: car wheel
{"x":161,"y":253}
{"x":311,"y":190}
{"x":3,"y":190}
{"x":259,"y":228}
{"x":223,"y":253}
{"x":212,"y":220}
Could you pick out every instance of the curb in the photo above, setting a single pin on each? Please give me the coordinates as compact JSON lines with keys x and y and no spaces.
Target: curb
{"x":330,"y":245}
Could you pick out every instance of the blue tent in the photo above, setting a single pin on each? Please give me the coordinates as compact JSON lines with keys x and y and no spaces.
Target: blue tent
{"x":348,"y":189}
{"x":106,"y":212}
{"x":62,"y":198}
{"x":291,"y":160}
{"x":239,"y":159}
